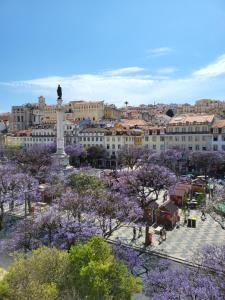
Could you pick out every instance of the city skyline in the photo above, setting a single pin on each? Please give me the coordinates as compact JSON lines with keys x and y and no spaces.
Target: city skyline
{"x":117,"y":52}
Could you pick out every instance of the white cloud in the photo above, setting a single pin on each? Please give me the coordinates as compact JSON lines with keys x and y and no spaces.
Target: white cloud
{"x":124,"y":71}
{"x":166,"y":70}
{"x":117,"y":87}
{"x":159,"y":51}
{"x":212,"y":70}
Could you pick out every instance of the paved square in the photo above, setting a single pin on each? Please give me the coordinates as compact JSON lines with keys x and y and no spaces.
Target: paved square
{"x":181,"y":243}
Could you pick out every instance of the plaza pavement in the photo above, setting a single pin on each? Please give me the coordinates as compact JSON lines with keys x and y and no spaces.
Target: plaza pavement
{"x":182,"y":242}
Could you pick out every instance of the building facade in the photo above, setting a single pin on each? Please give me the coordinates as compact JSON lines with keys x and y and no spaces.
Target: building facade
{"x":218,"y":135}
{"x":190,"y":132}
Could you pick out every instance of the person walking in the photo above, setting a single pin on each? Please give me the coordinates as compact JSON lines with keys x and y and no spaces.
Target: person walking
{"x":203,"y":216}
{"x":160,"y":236}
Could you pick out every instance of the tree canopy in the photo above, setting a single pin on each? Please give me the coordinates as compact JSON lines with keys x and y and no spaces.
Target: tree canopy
{"x":88,"y":271}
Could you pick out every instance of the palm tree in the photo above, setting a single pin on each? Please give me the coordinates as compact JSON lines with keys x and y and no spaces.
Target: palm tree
{"x":126,"y":103}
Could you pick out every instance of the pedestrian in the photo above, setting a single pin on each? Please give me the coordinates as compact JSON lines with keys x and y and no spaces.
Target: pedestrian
{"x":160,"y":236}
{"x":140,"y":232}
{"x":164,"y":234}
{"x":203,"y":216}
{"x":134,"y":233}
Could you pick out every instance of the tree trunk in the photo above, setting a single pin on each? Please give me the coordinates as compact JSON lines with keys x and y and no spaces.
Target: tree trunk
{"x":1,"y":216}
{"x":146,"y":235}
{"x":29,"y":205}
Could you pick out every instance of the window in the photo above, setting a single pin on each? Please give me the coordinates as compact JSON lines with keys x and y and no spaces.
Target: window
{"x":197,"y":138}
{"x":204,"y":148}
{"x":118,"y":138}
{"x":146,"y":138}
{"x":96,"y":139}
{"x":92,"y":139}
{"x":190,"y":138}
{"x":215,"y":147}
{"x":183,"y":138}
{"x":113,"y":146}
{"x":176,"y":138}
{"x":183,"y":129}
{"x":154,"y":138}
{"x":119,"y":146}
{"x":162,"y":139}
{"x":113,"y":139}
{"x":215,"y":138}
{"x":154,"y":147}
{"x":18,"y":118}
{"x":197,"y":147}
{"x":100,"y":139}
{"x":107,"y":146}
{"x":190,"y":147}
{"x":203,"y":138}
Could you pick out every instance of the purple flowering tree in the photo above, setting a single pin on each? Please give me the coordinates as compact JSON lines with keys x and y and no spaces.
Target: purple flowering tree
{"x":142,"y":187}
{"x":111,"y":211}
{"x":35,"y":161}
{"x":132,"y":156}
{"x":15,"y":187}
{"x":206,"y":161}
{"x":170,"y":158}
{"x":206,"y":281}
{"x":77,"y":153}
{"x":96,"y":153}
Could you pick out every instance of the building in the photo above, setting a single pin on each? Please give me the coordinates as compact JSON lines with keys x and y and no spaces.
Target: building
{"x":4,"y":122}
{"x":206,"y":106}
{"x":218,"y":135}
{"x":22,"y":116}
{"x":30,"y":137}
{"x":80,"y":110}
{"x":190,"y":132}
{"x":112,"y":113}
{"x":123,"y":135}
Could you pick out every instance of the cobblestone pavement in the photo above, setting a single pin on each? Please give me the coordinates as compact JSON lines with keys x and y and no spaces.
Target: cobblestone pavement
{"x":181,"y":242}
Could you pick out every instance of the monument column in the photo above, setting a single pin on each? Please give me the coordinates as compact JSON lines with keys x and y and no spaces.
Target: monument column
{"x":60,"y":158}
{"x":60,"y":127}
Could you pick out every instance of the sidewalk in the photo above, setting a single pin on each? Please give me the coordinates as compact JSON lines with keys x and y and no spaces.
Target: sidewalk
{"x":181,"y":243}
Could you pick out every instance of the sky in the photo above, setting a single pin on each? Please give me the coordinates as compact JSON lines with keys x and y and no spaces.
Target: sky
{"x":139,"y":51}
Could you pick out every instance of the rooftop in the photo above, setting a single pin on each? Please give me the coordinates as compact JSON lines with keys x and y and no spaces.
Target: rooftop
{"x":219,"y":124}
{"x":191,"y":118}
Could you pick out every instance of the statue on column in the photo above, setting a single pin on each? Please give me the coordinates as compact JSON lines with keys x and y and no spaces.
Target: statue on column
{"x":59,"y":92}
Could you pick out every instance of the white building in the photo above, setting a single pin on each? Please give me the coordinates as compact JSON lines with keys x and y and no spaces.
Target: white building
{"x":218,"y":135}
{"x":190,"y":131}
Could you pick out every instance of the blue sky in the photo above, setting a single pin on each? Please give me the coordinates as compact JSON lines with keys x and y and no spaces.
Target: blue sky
{"x":138,"y":51}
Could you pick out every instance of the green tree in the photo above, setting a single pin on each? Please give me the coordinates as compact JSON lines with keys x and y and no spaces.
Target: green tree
{"x":41,"y":275}
{"x":96,"y":275}
{"x":82,"y":182}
